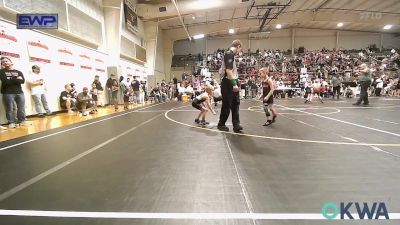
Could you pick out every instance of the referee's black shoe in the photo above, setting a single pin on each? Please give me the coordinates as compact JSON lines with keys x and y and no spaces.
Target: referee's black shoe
{"x":237,"y":128}
{"x":223,"y":128}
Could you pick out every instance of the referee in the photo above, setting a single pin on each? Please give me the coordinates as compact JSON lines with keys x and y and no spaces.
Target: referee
{"x":364,"y":79}
{"x":230,"y":89}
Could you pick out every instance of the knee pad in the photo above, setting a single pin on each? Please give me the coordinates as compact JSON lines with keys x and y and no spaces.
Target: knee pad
{"x":266,"y":109}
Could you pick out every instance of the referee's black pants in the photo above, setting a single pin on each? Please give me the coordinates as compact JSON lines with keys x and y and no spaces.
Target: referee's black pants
{"x":364,"y":92}
{"x":230,"y":102}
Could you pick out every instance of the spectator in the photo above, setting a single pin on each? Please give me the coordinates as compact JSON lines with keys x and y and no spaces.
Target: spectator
{"x":189,"y":91}
{"x":170,"y":91}
{"x":336,"y":87}
{"x":114,"y":94}
{"x":348,"y":92}
{"x":99,"y":89}
{"x":127,"y":95}
{"x":379,"y":86}
{"x":74,"y":92}
{"x":163,"y":93}
{"x":122,"y":88}
{"x":84,"y":102}
{"x":142,"y":93}
{"x":156,"y":94}
{"x":249,"y":87}
{"x":144,"y":87}
{"x":11,"y":89}
{"x":67,"y":100}
{"x":254,"y":88}
{"x":38,"y":90}
{"x":128,"y":82}
{"x":94,"y":93}
{"x":136,"y":89}
{"x":397,"y":82}
{"x":217,"y":96}
{"x":109,"y":85}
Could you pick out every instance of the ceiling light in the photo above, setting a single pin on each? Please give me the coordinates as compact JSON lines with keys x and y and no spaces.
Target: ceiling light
{"x":193,"y":17}
{"x":340,"y":25}
{"x":387,"y":27}
{"x":231,"y":31}
{"x":278,"y":26}
{"x":198,"y":36}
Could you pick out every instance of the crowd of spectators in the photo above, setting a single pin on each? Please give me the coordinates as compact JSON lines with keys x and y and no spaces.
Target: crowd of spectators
{"x":119,"y":91}
{"x":291,"y":73}
{"x":84,"y":101}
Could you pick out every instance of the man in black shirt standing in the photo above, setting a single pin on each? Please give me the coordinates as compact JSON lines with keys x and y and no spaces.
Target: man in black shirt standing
{"x":109,"y":85}
{"x":99,"y":89}
{"x":11,"y":81}
{"x":136,"y":89}
{"x":230,"y":89}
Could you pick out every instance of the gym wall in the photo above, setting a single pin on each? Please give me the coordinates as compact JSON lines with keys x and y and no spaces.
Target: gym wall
{"x":311,"y":39}
{"x":61,"y":62}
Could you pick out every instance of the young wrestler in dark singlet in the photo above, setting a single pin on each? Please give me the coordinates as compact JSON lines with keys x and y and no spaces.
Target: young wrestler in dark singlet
{"x":202,"y":103}
{"x":267,"y":95}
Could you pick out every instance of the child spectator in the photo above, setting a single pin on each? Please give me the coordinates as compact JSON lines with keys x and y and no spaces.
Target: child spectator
{"x":94,"y":93}
{"x":127,"y":95}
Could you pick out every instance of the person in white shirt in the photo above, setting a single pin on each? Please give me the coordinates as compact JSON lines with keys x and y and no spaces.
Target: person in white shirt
{"x":181,"y":91}
{"x":38,"y":91}
{"x":388,"y":89}
{"x":142,"y":94}
{"x":217,"y":96}
{"x":280,"y":84}
{"x":189,"y":91}
{"x":181,"y":88}
{"x":379,"y":86}
{"x":347,"y":73}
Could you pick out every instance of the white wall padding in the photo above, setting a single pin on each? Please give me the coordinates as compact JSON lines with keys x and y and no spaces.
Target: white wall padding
{"x":92,"y":8}
{"x":127,"y":47}
{"x":84,"y":26}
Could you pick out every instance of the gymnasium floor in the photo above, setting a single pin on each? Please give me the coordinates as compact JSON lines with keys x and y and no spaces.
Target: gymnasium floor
{"x":153,"y":163}
{"x":59,"y":119}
